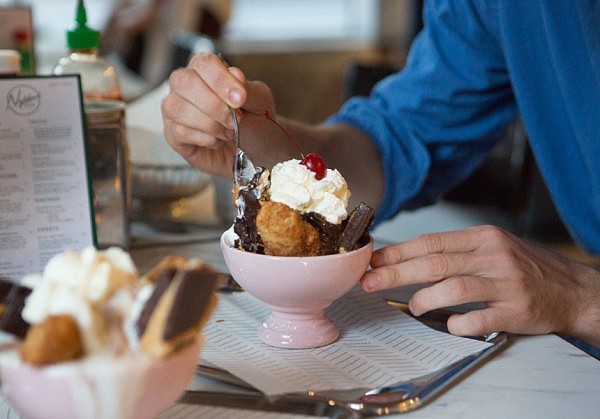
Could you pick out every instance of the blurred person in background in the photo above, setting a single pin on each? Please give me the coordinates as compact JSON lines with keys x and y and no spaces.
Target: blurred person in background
{"x":138,"y":31}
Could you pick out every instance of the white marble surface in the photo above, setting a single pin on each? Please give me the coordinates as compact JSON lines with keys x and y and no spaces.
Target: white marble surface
{"x":535,"y":377}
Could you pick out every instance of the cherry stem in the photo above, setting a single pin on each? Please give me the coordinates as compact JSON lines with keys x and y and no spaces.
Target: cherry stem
{"x":270,"y":118}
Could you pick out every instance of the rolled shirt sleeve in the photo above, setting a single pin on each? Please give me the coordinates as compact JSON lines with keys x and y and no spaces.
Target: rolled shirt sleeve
{"x":435,"y":121}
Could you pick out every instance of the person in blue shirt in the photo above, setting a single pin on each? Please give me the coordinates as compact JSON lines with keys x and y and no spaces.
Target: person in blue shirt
{"x":471,"y":70}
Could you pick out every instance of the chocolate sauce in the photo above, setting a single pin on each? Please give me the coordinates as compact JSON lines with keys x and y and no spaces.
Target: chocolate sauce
{"x":245,"y":224}
{"x":329,"y":233}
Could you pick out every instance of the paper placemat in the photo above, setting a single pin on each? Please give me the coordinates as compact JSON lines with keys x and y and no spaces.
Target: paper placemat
{"x":379,"y":345}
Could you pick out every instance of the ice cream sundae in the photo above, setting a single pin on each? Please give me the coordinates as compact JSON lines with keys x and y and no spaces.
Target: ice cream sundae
{"x":91,"y":324}
{"x":299,"y":208}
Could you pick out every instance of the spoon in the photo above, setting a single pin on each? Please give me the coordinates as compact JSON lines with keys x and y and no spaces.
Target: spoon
{"x":243,"y":169}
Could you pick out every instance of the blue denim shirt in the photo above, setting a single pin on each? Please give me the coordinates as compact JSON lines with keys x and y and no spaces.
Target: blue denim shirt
{"x":475,"y":66}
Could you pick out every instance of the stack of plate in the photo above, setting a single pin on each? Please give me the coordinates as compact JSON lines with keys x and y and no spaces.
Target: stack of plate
{"x":158,"y":173}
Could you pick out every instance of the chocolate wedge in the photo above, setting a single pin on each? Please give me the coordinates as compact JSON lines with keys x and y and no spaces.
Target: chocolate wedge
{"x":180,"y":304}
{"x":13,"y":302}
{"x":356,"y":231}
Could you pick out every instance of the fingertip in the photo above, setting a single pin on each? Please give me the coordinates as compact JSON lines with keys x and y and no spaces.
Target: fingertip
{"x":377,"y":258}
{"x":235,"y":97}
{"x":412,"y":308}
{"x":370,"y":281}
{"x":236,"y":94}
{"x":457,"y":326}
{"x":472,"y":323}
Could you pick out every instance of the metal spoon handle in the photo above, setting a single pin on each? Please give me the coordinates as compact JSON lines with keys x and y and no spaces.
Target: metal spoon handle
{"x":243,"y":169}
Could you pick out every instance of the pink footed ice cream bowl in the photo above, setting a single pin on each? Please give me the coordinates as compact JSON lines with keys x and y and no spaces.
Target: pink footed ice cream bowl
{"x":96,"y":340}
{"x":296,"y":289}
{"x":106,"y":387}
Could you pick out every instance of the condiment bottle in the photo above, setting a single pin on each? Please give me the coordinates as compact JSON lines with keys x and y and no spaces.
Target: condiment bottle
{"x":10,"y":62}
{"x":99,"y":79}
{"x":22,"y":41}
{"x":108,"y":155}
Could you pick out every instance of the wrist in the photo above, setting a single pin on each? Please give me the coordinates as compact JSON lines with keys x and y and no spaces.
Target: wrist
{"x":586,"y":324}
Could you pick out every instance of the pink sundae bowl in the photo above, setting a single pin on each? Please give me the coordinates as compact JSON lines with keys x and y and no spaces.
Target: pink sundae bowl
{"x":296,"y":289}
{"x":133,"y":385}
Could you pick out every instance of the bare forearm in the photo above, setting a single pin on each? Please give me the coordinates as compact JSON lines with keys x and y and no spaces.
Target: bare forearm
{"x":351,"y":152}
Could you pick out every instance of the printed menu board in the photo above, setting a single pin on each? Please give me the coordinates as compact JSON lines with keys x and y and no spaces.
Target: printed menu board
{"x":45,"y":204}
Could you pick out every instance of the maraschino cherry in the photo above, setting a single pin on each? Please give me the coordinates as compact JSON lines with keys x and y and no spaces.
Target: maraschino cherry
{"x":312,"y":161}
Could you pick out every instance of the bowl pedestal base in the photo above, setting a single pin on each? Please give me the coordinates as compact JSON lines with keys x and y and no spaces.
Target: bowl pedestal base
{"x":298,"y":332}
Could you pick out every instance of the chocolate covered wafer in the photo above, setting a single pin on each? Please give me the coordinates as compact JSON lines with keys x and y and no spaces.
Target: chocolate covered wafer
{"x":11,"y":320}
{"x":356,"y":231}
{"x":5,"y":287}
{"x":178,"y":308}
{"x":245,"y":225}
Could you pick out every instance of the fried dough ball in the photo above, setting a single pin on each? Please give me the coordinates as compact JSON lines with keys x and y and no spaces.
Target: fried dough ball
{"x":54,"y":340}
{"x":284,"y":232}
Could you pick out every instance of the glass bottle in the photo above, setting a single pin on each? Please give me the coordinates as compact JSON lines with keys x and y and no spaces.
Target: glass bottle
{"x":99,"y":79}
{"x":108,"y":153}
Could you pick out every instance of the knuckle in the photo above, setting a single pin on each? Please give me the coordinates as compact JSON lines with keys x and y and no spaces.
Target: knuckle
{"x":433,"y":243}
{"x":180,"y":79}
{"x":201,"y":59}
{"x":493,"y":234}
{"x":180,"y":131}
{"x":392,"y":254}
{"x":509,"y":259}
{"x":170,"y":105}
{"x":437,"y":266}
{"x":520,"y":286}
{"x":389,"y":277}
{"x":458,"y":288}
{"x":388,"y":255}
